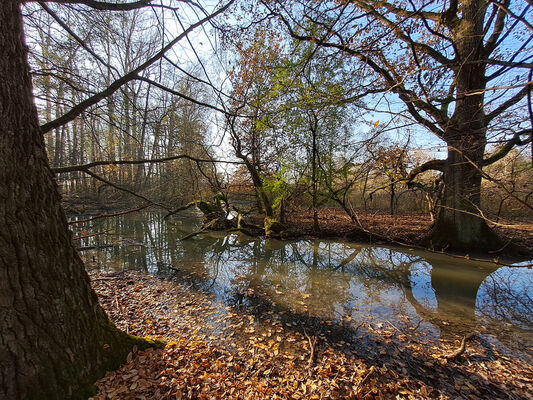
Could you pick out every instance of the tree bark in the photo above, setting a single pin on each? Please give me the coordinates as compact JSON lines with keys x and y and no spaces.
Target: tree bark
{"x":459,"y":224}
{"x":392,"y":198}
{"x":314,"y":151}
{"x":259,"y":188}
{"x":55,"y":339}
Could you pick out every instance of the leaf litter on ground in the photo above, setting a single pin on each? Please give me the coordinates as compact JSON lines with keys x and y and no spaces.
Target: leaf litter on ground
{"x":215,"y":351}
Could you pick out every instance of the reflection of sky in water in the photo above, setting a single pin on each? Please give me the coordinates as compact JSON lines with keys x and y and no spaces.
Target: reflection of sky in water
{"x":331,"y":278}
{"x":507,"y":294}
{"x":423,"y":292}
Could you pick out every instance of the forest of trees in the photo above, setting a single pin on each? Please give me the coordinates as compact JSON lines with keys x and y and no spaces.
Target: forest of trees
{"x":419,"y":106}
{"x":302,"y":115}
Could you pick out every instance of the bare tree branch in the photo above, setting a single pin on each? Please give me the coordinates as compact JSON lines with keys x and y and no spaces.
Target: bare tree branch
{"x":437,"y":165}
{"x":132,"y":75}
{"x":509,"y":145}
{"x":106,"y":6}
{"x":74,"y":35}
{"x":402,"y":12}
{"x":509,"y":103}
{"x":184,"y":96}
{"x":492,"y":41}
{"x":506,"y":10}
{"x":82,"y":221}
{"x":140,"y":196}
{"x":411,"y":100}
{"x":430,"y":51}
{"x":85,"y":167}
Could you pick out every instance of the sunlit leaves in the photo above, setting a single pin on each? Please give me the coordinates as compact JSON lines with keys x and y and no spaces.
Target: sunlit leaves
{"x":214,"y":352}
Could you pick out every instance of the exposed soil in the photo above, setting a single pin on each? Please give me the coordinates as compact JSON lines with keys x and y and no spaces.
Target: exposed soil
{"x":402,"y":229}
{"x":216,"y":352}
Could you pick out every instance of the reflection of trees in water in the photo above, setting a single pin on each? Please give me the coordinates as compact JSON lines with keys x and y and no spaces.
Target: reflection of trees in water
{"x":286,"y":273}
{"x":319,"y":277}
{"x":323,"y":281}
{"x":462,"y":296}
{"x":385,"y":276}
{"x":505,"y":295}
{"x":454,"y":287}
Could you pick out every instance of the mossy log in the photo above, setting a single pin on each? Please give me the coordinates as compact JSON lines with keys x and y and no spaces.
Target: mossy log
{"x":273,"y":228}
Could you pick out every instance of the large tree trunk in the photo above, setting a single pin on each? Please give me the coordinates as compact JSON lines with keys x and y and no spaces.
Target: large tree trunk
{"x":459,"y":223}
{"x":55,"y":340}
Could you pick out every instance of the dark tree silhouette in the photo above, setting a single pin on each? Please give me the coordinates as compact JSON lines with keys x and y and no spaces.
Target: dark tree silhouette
{"x":55,"y":339}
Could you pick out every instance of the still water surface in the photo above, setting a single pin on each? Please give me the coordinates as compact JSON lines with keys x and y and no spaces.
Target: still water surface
{"x":435,"y":294}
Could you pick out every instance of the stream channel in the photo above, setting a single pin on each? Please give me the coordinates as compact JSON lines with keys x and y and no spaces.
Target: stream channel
{"x":336,"y":281}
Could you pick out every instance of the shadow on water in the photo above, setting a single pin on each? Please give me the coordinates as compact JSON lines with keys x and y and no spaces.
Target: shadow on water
{"x":335,"y":289}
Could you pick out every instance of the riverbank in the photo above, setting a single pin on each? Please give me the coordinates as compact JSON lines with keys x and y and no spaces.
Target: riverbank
{"x":216,"y":351}
{"x":404,"y":227}
{"x":373,"y":226}
{"x":408,"y":230}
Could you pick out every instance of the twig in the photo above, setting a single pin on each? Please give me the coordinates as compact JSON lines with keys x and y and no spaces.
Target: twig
{"x":122,"y":314}
{"x":417,"y":325}
{"x":104,"y":278}
{"x":83,"y":168}
{"x":462,"y":347}
{"x":312,"y":344}
{"x":204,"y":228}
{"x":355,"y":215}
{"x":391,"y":324}
{"x":91,"y":235}
{"x":357,"y":327}
{"x":103,"y":246}
{"x":501,"y":249}
{"x":140,"y":196}
{"x":183,"y":208}
{"x":360,"y":384}
{"x":81,"y":221}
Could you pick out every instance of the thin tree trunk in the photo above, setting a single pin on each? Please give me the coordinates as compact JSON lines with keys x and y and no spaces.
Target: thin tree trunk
{"x":392,"y":198}
{"x":55,"y":339}
{"x":259,"y":188}
{"x":314,"y":128}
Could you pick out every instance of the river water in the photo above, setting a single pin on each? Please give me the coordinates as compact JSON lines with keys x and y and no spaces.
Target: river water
{"x":433,"y":294}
